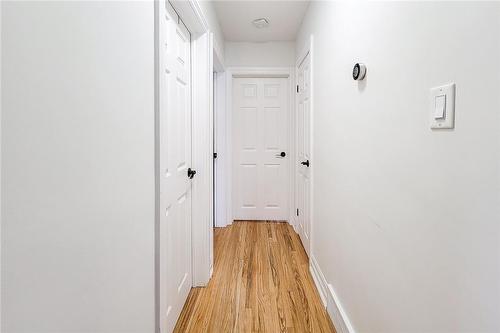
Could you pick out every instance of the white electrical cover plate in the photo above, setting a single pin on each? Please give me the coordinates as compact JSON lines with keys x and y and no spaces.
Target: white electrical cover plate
{"x":442,"y":106}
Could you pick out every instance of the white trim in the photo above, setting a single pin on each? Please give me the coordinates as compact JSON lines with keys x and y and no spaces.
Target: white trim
{"x":229,"y":148}
{"x":330,"y":300}
{"x":258,"y":72}
{"x":337,"y":314}
{"x":0,"y":172}
{"x":223,"y":158}
{"x":292,"y":147}
{"x":319,"y":279}
{"x":311,"y":138}
{"x":157,"y":165}
{"x":202,"y":153}
{"x":191,"y":14}
{"x":202,"y":148}
{"x":257,"y":75}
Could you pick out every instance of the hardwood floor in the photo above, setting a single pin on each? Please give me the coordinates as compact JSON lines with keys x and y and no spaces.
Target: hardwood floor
{"x":261,"y":283}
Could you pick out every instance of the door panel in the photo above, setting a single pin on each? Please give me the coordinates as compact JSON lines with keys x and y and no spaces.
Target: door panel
{"x":260,"y":134}
{"x":304,"y":152}
{"x":175,"y":158}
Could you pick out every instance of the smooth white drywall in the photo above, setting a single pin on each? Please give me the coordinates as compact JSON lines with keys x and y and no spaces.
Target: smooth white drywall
{"x":406,"y":220}
{"x":78,"y":167}
{"x":266,"y":54}
{"x":209,"y":13}
{"x":284,"y":19}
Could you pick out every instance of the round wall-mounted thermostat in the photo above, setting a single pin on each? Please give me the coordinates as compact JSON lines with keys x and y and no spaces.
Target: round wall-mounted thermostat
{"x":359,"y":72}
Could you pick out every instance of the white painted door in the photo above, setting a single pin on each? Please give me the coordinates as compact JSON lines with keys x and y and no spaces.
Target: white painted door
{"x":175,"y":158}
{"x":260,"y":137}
{"x":303,"y":195}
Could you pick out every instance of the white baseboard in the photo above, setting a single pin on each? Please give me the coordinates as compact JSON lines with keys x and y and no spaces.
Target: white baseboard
{"x":293,"y":223}
{"x":330,"y":299}
{"x":319,"y":279}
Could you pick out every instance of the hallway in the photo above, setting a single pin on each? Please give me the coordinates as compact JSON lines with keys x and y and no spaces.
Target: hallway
{"x":243,"y":166}
{"x":261,"y":283}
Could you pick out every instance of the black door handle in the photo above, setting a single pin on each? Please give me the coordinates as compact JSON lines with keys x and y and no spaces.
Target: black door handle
{"x":191,"y":173}
{"x":306,"y":163}
{"x":282,"y":154}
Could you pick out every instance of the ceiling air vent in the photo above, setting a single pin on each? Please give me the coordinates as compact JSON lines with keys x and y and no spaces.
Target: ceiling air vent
{"x":260,"y":23}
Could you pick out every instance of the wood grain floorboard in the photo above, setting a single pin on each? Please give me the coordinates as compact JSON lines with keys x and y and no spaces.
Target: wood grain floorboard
{"x":260,"y":283}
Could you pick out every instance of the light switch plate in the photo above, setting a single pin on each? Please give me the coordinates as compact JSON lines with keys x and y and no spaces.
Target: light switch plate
{"x":448,"y":121}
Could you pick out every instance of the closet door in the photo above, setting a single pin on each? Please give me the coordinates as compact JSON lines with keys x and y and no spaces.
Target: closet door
{"x":175,"y":160}
{"x":303,"y":194}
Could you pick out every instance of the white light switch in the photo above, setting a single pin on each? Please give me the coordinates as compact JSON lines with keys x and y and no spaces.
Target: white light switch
{"x":439,"y":112}
{"x":442,"y":106}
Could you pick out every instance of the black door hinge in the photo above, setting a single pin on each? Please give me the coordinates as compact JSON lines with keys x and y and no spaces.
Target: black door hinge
{"x":297,"y":88}
{"x":297,"y":212}
{"x":215,"y":155}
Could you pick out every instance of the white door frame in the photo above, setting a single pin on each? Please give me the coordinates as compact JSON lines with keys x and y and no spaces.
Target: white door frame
{"x":308,"y":50}
{"x":261,"y":72}
{"x":202,"y":45}
{"x":221,"y":217}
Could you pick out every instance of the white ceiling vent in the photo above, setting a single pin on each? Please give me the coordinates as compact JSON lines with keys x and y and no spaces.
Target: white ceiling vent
{"x":260,"y":23}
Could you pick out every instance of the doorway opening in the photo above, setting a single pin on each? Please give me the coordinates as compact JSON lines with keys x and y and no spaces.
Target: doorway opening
{"x":244,"y":138}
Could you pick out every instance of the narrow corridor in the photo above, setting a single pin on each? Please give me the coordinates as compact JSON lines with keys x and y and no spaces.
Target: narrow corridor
{"x":261,"y":283}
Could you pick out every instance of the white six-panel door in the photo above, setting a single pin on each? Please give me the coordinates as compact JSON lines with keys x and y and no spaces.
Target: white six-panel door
{"x":260,"y":135}
{"x":175,"y":158}
{"x":304,"y":152}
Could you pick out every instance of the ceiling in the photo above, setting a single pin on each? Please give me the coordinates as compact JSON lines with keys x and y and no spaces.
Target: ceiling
{"x":235,"y":19}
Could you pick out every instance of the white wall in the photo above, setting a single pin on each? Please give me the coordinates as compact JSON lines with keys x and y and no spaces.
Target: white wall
{"x":210,"y":15}
{"x":269,"y":54}
{"x":406,"y":224}
{"x":78,"y":167}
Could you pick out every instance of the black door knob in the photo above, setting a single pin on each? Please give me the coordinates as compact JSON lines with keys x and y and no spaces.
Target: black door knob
{"x":306,"y":163}
{"x":282,"y":154}
{"x":191,"y":173}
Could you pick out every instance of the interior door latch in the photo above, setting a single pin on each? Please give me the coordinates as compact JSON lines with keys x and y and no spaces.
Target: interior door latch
{"x":191,"y":173}
{"x":282,"y":154}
